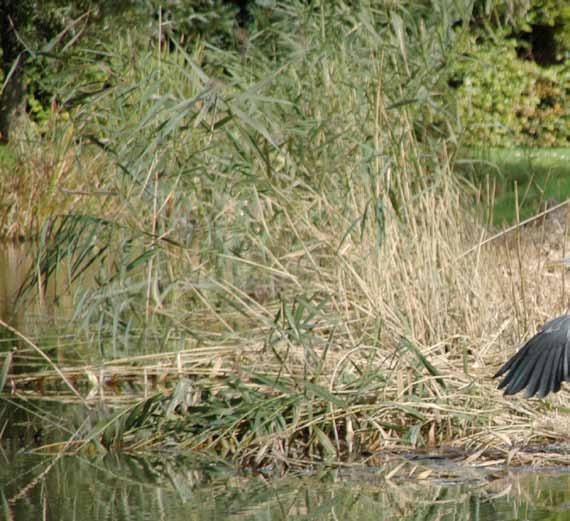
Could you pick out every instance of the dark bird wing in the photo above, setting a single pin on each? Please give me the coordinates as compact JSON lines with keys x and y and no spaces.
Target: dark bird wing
{"x":542,"y":364}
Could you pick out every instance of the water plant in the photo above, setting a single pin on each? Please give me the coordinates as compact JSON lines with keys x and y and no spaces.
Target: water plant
{"x":272,"y":243}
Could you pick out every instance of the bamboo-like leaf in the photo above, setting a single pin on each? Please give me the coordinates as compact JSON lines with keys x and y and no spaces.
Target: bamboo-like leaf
{"x":6,"y":366}
{"x":431,"y":369}
{"x":325,"y":442}
{"x":325,"y":394}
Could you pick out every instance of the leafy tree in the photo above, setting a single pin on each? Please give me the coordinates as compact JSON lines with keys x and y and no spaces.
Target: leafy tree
{"x":13,"y":15}
{"x":31,"y":30}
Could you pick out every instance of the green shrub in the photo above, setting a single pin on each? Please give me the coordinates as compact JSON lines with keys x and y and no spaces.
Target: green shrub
{"x":506,"y":101}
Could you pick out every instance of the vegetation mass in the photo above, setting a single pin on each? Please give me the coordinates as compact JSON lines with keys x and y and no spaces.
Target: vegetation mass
{"x":266,"y":233}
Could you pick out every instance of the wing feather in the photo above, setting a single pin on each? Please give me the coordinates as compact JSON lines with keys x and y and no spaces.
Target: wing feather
{"x":542,"y":364}
{"x":536,"y":375}
{"x":549,"y":372}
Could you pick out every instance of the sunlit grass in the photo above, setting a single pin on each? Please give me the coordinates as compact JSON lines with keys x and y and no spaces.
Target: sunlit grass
{"x":523,"y":180}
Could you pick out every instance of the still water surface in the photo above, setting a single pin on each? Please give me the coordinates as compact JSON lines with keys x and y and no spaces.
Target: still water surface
{"x":123,"y":487}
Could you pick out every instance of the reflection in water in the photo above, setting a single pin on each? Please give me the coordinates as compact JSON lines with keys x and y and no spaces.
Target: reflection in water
{"x":170,"y":487}
{"x":43,"y":318}
{"x":12,"y":271}
{"x":15,"y":263}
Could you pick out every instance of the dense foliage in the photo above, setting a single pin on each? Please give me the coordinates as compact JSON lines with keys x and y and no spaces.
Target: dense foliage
{"x":505,"y":101}
{"x":511,"y":83}
{"x":513,"y":78}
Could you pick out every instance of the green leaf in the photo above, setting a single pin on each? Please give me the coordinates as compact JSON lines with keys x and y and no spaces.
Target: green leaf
{"x":325,"y":394}
{"x":424,"y":361}
{"x":326,"y":443}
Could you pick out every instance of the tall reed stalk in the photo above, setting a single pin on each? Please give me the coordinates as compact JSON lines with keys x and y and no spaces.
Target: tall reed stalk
{"x":297,"y":203}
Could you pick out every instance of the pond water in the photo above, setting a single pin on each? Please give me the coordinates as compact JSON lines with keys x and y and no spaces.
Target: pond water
{"x":126,"y":487}
{"x":94,"y":484}
{"x":15,"y":262}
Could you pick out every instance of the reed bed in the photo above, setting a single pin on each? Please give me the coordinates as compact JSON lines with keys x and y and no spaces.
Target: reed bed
{"x":340,"y":398}
{"x":281,"y":258}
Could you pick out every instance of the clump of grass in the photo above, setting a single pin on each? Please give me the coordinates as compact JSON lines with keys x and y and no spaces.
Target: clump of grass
{"x":301,"y":211}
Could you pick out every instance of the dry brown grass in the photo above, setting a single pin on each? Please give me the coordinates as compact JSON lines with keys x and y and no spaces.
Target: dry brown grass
{"x":316,"y":271}
{"x":463,"y":313}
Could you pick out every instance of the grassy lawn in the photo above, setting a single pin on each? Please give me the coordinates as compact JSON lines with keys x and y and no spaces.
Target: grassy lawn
{"x":531,"y":176}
